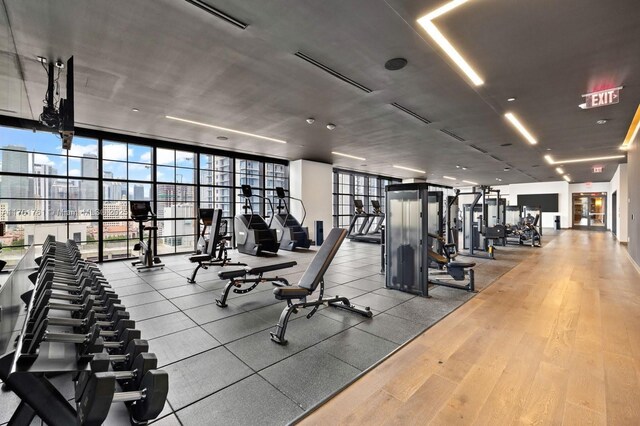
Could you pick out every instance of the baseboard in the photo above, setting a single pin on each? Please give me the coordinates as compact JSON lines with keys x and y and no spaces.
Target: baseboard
{"x":633,"y":262}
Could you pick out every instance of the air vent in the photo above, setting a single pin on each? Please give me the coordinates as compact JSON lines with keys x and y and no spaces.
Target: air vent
{"x":478,"y":149}
{"x":411,"y":113}
{"x":333,"y":72}
{"x":453,"y":135}
{"x":496,"y":158}
{"x":218,"y":13}
{"x":506,"y":144}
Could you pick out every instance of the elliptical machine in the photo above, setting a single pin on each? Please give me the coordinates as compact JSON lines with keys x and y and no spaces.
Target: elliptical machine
{"x":253,"y":234}
{"x":141,"y":212}
{"x":290,"y":233}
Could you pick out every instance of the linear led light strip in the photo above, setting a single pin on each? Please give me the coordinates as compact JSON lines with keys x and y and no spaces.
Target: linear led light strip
{"x":567,"y":178}
{"x":633,"y":131}
{"x":409,"y":169}
{"x":348,"y":156}
{"x":427,"y":23}
{"x":471,"y":182}
{"x":253,"y":135}
{"x":449,"y":177}
{"x":550,"y":159}
{"x":523,"y":131}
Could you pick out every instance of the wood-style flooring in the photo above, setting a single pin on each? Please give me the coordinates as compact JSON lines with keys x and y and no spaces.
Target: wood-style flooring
{"x":554,"y":341}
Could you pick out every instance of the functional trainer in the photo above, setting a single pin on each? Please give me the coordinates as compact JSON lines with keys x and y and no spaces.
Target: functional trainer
{"x":141,"y":212}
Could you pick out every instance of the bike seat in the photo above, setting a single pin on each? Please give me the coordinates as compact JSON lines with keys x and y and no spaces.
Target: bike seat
{"x":150,"y":228}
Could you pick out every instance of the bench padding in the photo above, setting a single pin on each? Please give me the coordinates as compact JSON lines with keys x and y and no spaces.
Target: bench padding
{"x":293,"y":292}
{"x":322,"y":260}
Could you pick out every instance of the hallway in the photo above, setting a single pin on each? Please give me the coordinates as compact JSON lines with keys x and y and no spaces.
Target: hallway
{"x":559,"y":347}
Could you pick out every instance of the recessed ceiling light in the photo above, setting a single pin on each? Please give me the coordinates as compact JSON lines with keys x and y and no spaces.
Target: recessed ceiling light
{"x":331,"y":126}
{"x":457,"y":166}
{"x":506,"y":144}
{"x":436,"y":35}
{"x":449,"y":177}
{"x":602,"y":121}
{"x":511,"y":99}
{"x":311,"y":120}
{"x":395,"y":64}
{"x":499,"y":180}
{"x":41,"y":59}
{"x":548,"y":149}
{"x":409,"y":169}
{"x":471,"y":182}
{"x":222,"y":138}
{"x":516,"y":123}
{"x":135,"y":109}
{"x":567,"y":178}
{"x":560,"y":170}
{"x":633,"y":130}
{"x":464,"y":168}
{"x":550,"y":160}
{"x":197,"y":123}
{"x":348,"y":156}
{"x":506,"y":169}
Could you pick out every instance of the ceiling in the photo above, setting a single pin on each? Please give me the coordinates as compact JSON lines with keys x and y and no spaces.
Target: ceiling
{"x":168,"y":57}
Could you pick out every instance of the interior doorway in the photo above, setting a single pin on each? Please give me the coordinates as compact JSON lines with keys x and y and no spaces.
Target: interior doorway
{"x":590,"y":211}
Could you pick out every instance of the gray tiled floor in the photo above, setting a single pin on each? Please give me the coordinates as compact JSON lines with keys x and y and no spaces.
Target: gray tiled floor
{"x":224,"y":369}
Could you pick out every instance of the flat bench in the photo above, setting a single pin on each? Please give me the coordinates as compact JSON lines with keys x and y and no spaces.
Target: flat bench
{"x":252,"y":277}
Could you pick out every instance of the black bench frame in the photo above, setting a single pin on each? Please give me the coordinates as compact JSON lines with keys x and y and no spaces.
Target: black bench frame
{"x":216,"y":254}
{"x":309,"y":282}
{"x":242,"y":276}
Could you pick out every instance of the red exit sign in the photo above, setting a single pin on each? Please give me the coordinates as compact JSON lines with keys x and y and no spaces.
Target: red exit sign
{"x":597,"y":169}
{"x":602,"y":98}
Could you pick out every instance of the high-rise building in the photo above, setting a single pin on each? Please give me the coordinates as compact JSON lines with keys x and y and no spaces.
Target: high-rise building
{"x":15,"y":159}
{"x":138,"y":192}
{"x":88,"y":188}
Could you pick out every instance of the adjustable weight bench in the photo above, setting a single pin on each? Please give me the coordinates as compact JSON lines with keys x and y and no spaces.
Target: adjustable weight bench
{"x":311,"y":279}
{"x":217,"y":241}
{"x":251,"y":276}
{"x":459,"y":271}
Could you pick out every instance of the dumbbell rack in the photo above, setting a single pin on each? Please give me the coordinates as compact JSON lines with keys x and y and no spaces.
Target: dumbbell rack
{"x":25,"y":373}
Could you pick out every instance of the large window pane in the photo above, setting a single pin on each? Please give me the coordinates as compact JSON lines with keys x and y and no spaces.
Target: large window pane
{"x":114,"y":170}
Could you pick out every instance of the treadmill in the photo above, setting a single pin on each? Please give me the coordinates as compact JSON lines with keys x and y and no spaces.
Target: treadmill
{"x":364,"y":233}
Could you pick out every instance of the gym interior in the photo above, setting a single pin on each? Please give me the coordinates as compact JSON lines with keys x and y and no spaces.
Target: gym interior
{"x":319,"y":212}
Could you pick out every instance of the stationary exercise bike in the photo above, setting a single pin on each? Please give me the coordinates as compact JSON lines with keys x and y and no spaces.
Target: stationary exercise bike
{"x":141,"y":212}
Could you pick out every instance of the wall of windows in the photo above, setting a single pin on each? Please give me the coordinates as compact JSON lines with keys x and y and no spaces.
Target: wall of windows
{"x":349,"y":185}
{"x":83,"y":193}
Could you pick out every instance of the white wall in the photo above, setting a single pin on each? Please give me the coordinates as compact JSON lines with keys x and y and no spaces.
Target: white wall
{"x":312,"y":182}
{"x":511,"y":192}
{"x":619,"y":184}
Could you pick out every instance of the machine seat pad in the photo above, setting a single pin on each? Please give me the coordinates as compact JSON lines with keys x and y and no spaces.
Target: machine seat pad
{"x":268,"y":268}
{"x":228,"y":275}
{"x":293,"y":292}
{"x":437,"y":257}
{"x":461,"y":264}
{"x":200,"y":258}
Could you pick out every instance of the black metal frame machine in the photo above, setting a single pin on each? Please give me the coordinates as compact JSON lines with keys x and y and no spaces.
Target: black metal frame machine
{"x":141,"y":212}
{"x":412,"y":261}
{"x":528,"y":229}
{"x":478,"y":236}
{"x":290,"y":233}
{"x":253,"y":235}
{"x":215,"y":247}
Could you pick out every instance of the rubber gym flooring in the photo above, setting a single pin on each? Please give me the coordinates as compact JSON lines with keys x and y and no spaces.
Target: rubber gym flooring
{"x":223,"y":368}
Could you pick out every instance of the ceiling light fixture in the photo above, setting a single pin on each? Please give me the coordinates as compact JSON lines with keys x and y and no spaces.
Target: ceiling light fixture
{"x":409,"y":169}
{"x":560,"y":170}
{"x":499,"y":180}
{"x":348,"y":156}
{"x":516,"y":123}
{"x":633,"y":130}
{"x":471,"y":182}
{"x":506,"y":169}
{"x":601,"y":121}
{"x":311,"y":120}
{"x":436,"y":35}
{"x":222,"y":138}
{"x":331,"y":126}
{"x":449,"y":177}
{"x":197,"y":123}
{"x":135,"y":109}
{"x":464,"y":168}
{"x":567,"y":178}
{"x":581,"y":160}
{"x":511,"y":99}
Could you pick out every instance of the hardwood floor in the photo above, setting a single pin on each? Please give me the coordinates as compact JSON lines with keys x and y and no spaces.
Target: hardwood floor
{"x":554,"y":341}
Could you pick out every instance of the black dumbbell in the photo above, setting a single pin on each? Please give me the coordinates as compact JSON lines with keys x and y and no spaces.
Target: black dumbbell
{"x":108,"y":329}
{"x":147,"y":402}
{"x":80,"y":310}
{"x":129,"y":379}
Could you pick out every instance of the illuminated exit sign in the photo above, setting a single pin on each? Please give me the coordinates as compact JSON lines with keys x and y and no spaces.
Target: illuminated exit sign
{"x":602,"y":98}
{"x":598,"y":169}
